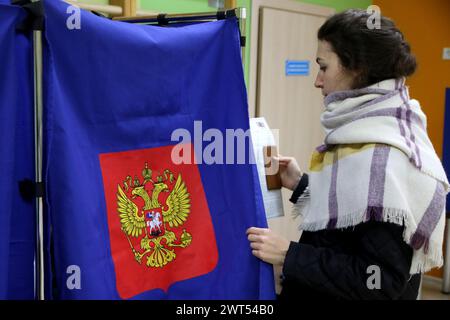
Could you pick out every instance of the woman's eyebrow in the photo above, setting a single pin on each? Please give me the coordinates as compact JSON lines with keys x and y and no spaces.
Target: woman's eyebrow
{"x":318,"y":60}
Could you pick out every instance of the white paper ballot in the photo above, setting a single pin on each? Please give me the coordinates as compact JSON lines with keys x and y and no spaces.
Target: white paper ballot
{"x":262,"y":136}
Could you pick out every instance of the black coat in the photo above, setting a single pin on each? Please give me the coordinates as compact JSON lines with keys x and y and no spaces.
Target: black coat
{"x":334,"y":264}
{"x":339,"y":264}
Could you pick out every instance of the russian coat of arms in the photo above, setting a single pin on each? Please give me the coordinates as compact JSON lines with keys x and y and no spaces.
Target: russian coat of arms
{"x":153,"y":224}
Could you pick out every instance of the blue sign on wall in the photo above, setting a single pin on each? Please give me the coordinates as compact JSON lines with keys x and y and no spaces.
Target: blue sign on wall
{"x":446,"y":147}
{"x":297,"y":68}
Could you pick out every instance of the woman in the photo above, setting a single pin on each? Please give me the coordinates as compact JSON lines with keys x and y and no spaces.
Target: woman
{"x":372,"y":205}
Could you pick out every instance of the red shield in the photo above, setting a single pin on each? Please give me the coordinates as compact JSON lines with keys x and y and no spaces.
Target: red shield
{"x":154,"y":223}
{"x":145,"y":180}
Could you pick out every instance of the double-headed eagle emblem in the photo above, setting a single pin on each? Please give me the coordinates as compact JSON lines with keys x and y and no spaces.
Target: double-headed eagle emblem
{"x":143,"y":217}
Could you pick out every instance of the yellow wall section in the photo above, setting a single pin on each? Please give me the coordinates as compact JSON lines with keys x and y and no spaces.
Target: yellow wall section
{"x":426,"y":25}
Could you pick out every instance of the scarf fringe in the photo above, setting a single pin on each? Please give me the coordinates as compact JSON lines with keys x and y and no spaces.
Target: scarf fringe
{"x":427,"y":253}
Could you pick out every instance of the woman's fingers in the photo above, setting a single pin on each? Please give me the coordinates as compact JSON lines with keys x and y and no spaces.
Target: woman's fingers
{"x":267,"y":246}
{"x":284,"y":161}
{"x":281,"y":158}
{"x":255,"y":230}
{"x":253,"y":237}
{"x":256,"y":253}
{"x":256,"y":245}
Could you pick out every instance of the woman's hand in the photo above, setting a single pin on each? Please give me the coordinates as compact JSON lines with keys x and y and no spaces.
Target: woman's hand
{"x":268,"y":246}
{"x":289,"y":171}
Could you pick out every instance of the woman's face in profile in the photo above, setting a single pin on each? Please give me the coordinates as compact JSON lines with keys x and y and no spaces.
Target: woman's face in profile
{"x":332,"y":76}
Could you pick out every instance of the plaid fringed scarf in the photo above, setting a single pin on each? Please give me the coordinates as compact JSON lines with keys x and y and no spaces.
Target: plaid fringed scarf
{"x":378,"y":163}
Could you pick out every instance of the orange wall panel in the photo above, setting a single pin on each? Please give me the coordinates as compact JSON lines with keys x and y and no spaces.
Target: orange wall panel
{"x":426,"y":25}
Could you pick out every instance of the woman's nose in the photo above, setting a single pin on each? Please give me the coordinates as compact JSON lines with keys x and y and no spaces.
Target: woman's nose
{"x":319,"y":82}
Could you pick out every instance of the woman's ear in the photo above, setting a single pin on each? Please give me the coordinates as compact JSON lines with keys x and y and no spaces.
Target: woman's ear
{"x":359,"y":80}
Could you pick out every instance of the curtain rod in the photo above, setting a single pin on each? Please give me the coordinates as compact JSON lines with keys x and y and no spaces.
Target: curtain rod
{"x":240,"y":13}
{"x":164,"y":19}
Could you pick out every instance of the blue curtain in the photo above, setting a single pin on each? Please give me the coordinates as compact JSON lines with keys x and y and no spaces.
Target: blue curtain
{"x":114,"y":94}
{"x":17,"y":220}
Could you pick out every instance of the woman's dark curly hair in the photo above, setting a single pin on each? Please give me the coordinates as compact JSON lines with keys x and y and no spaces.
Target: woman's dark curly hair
{"x":375,"y":54}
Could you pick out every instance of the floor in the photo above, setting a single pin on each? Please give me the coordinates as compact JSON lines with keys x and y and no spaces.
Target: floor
{"x":431,"y":289}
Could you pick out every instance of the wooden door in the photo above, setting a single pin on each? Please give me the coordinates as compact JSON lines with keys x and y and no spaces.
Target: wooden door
{"x":289,"y":103}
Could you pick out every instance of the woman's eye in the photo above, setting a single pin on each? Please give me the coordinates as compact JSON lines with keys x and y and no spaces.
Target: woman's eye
{"x":323,"y":68}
